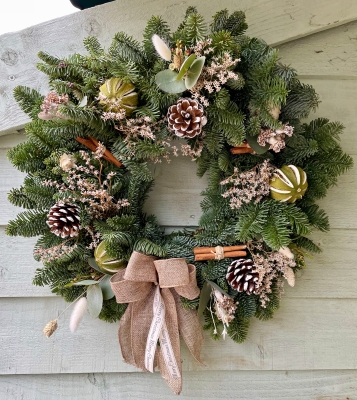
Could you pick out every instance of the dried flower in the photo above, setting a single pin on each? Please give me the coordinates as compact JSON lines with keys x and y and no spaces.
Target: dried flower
{"x":67,"y":162}
{"x":271,"y":265}
{"x":285,"y":251}
{"x":78,"y":312}
{"x":50,"y":328}
{"x":289,"y":275}
{"x":86,"y":185}
{"x":62,"y":64}
{"x":161,"y":47}
{"x":53,"y":253}
{"x":214,"y":76}
{"x":224,"y":308}
{"x":248,"y":186}
{"x":50,"y":106}
{"x":275,"y":137}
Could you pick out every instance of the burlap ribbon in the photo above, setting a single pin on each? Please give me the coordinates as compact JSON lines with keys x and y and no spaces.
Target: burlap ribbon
{"x":153,"y":287}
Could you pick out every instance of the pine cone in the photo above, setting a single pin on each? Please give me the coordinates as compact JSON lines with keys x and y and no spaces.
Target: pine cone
{"x":186,"y":118}
{"x":241,"y":276}
{"x":63,"y":219}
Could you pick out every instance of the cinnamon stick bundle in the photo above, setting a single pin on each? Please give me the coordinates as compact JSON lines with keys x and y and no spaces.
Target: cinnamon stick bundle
{"x":242,"y":149}
{"x":92,"y":144}
{"x":212,"y":256}
{"x":212,"y":253}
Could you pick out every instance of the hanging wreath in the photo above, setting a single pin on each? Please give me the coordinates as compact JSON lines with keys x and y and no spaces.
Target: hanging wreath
{"x":110,"y":114}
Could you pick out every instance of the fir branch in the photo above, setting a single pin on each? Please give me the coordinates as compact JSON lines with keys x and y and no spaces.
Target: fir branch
{"x":27,"y":224}
{"x":29,"y":100}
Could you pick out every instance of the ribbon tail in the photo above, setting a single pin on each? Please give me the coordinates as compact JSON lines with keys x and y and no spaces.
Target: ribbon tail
{"x":141,"y":319}
{"x":124,"y":334}
{"x":133,"y":328}
{"x":190,"y":329}
{"x":172,"y":376}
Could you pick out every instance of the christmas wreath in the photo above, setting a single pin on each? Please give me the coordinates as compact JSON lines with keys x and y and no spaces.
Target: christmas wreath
{"x":237,"y":111}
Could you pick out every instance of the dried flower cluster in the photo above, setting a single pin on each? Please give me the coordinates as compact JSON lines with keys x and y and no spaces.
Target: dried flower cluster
{"x":84,"y":183}
{"x":275,"y":137}
{"x":144,"y":128}
{"x":55,"y":252}
{"x":249,"y":185}
{"x":115,"y":116}
{"x":194,"y":152}
{"x":203,"y":47}
{"x":224,"y":308}
{"x":50,"y":106}
{"x":213,"y":77}
{"x":138,"y":127}
{"x":271,"y":267}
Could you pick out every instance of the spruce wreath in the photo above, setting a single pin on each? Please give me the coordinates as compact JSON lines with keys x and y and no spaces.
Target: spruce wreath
{"x":109,"y":114}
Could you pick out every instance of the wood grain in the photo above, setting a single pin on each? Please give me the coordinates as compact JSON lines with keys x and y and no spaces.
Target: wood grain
{"x":275,"y":21}
{"x":305,"y":334}
{"x":328,"y":54}
{"x":237,"y":385}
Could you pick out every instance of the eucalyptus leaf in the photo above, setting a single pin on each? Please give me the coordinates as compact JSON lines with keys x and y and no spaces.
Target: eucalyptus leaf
{"x":95,"y":300}
{"x":204,"y":298}
{"x":185,"y":66}
{"x":194,"y":72}
{"x":93,"y":264}
{"x":215,"y":286}
{"x":167,"y":82}
{"x":252,"y":141}
{"x":86,"y":282}
{"x":106,"y":288}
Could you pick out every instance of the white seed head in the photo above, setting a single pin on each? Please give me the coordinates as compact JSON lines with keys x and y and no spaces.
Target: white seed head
{"x":161,"y":47}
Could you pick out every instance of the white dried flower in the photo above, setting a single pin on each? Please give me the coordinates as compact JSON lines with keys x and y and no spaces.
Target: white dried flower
{"x":289,"y":276}
{"x":161,"y":47}
{"x":66,"y":162}
{"x":286,"y":252}
{"x":78,"y":312}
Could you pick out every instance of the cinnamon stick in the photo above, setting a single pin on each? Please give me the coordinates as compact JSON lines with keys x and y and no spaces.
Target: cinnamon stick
{"x":206,"y":250}
{"x":211,"y":256}
{"x":92,"y":145}
{"x":241,"y":150}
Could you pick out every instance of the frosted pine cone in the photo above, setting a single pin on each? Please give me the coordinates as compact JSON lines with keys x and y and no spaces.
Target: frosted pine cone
{"x":63,"y":219}
{"x":242,"y":276}
{"x":186,"y":118}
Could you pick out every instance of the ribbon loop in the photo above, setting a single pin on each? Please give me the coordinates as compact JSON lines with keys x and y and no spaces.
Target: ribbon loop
{"x":141,"y":268}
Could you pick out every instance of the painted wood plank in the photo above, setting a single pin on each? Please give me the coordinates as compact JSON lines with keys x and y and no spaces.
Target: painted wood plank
{"x":327,"y":54}
{"x":305,"y":334}
{"x":276,"y":21}
{"x":324,"y":277}
{"x":238,"y":385}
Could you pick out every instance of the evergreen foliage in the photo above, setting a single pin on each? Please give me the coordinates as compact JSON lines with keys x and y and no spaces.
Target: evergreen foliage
{"x":239,"y":110}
